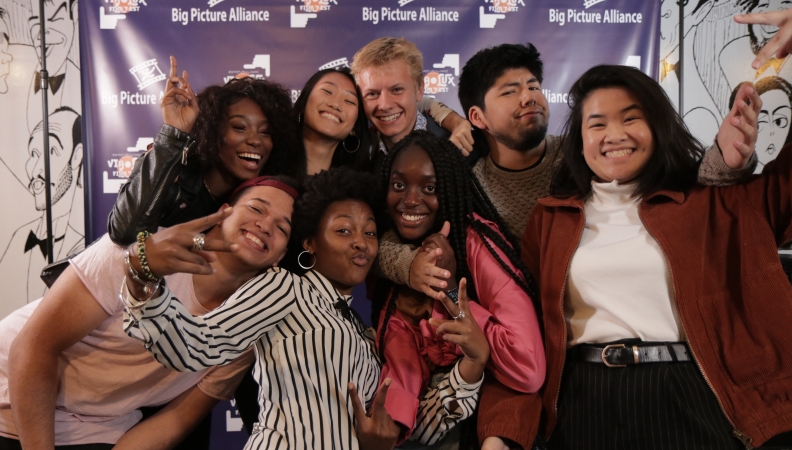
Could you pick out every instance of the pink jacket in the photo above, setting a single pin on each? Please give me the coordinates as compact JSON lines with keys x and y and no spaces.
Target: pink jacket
{"x":504,"y":313}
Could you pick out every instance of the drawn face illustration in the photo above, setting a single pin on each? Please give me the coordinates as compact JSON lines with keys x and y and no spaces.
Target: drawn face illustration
{"x":65,"y":158}
{"x":762,"y":33}
{"x":61,"y":18}
{"x":5,"y":57}
{"x":773,"y":125}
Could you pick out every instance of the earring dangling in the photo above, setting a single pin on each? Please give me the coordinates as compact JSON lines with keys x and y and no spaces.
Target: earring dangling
{"x":299,"y":117}
{"x":300,"y":262}
{"x":356,"y":146}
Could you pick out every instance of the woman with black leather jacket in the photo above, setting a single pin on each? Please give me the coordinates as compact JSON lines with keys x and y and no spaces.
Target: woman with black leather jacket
{"x":208,"y":144}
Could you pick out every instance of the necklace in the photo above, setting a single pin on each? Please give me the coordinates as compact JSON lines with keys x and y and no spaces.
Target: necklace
{"x":209,"y":191}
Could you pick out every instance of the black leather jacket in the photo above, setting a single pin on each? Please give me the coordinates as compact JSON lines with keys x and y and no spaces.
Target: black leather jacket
{"x":161,"y":191}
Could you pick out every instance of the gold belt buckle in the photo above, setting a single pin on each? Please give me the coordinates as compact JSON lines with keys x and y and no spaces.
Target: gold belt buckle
{"x":605,"y":350}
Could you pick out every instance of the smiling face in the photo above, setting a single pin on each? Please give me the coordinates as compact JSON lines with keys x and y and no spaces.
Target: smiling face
{"x":516,"y":112}
{"x":617,"y":140}
{"x":332,"y":107}
{"x":773,"y":125}
{"x":412,"y":199}
{"x":390,"y":97}
{"x":245,"y":142}
{"x":345,"y":245}
{"x":261,"y":225}
{"x":61,"y":17}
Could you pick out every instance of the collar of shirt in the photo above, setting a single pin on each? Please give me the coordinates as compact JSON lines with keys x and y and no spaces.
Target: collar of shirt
{"x":325,"y":288}
{"x":420,"y":124}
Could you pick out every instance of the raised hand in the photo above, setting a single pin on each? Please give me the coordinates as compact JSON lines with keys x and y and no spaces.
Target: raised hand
{"x":171,"y":250}
{"x":179,"y":105}
{"x":464,"y":331}
{"x":375,"y":428}
{"x":739,"y":130}
{"x":780,"y":44}
{"x":433,"y":268}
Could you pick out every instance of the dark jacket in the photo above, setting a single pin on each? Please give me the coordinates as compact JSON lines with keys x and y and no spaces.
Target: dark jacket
{"x":733,"y":298}
{"x":162,"y":190}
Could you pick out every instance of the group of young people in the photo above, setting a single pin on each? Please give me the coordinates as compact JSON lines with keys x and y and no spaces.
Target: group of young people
{"x":614,"y":287}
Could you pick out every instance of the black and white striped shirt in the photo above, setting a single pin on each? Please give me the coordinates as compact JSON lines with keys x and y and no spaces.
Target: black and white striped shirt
{"x":306,"y":350}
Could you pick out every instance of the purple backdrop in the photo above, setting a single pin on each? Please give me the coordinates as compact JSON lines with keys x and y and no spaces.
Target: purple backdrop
{"x":125,"y":46}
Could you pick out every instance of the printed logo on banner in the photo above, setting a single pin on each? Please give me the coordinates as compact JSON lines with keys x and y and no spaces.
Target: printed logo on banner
{"x":261,"y":63}
{"x":125,"y":6}
{"x":497,"y":10}
{"x":422,"y":14}
{"x":213,"y":3}
{"x":439,"y":81}
{"x":335,"y":64}
{"x":589,"y":3}
{"x":117,"y":10}
{"x":109,"y":21}
{"x":120,"y":166}
{"x":309,"y":9}
{"x":147,"y":73}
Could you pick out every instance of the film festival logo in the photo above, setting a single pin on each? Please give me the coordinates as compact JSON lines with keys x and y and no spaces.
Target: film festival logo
{"x":442,"y":79}
{"x":497,"y":9}
{"x":147,"y":73}
{"x":120,"y":167}
{"x":308,"y":10}
{"x":117,"y":10}
{"x":254,"y":69}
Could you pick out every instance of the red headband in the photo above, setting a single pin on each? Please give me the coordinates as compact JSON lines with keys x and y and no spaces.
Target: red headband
{"x":267,"y":181}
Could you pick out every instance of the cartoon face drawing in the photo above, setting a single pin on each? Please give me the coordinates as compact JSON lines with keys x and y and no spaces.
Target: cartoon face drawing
{"x":65,"y":156}
{"x":773,"y":125}
{"x":61,"y":17}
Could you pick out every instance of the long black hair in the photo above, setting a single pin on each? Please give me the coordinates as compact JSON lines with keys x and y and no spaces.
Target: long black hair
{"x":354,"y":151}
{"x":674,"y":162}
{"x":275,"y":103}
{"x":459,"y":196}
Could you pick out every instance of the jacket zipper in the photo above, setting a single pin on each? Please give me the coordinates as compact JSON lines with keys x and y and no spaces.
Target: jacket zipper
{"x":744,"y":438}
{"x":161,"y":188}
{"x":561,"y":304}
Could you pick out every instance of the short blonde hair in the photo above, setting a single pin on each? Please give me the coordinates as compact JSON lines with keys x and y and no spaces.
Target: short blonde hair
{"x":382,"y":51}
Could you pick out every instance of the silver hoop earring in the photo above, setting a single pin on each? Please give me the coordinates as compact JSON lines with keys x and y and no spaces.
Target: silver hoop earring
{"x":356,"y":147}
{"x":300,"y":262}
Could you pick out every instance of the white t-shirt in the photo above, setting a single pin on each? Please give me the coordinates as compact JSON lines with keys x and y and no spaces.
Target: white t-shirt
{"x":106,"y":376}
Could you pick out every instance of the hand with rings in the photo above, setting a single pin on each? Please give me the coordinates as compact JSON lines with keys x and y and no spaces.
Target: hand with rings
{"x":464,"y":331}
{"x":184,"y":248}
{"x":179,"y":105}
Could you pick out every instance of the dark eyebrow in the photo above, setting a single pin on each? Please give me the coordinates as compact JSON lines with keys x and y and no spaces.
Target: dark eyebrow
{"x":55,"y":136}
{"x":780,"y":107}
{"x":269,"y":205}
{"x":396,"y":172}
{"x":623,"y":110}
{"x":62,"y":5}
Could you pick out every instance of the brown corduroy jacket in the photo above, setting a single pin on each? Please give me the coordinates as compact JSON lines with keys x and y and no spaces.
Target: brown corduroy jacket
{"x":733,"y":298}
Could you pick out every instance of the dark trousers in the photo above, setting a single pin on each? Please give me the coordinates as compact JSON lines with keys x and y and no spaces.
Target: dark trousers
{"x":13,"y":444}
{"x":647,"y":406}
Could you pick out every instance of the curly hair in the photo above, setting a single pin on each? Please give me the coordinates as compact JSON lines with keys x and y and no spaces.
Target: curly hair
{"x":359,"y":159}
{"x":459,"y":196}
{"x":275,"y":103}
{"x":330,"y":186}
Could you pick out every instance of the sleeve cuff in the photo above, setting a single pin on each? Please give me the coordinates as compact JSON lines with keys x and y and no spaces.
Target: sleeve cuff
{"x":463,"y":390}
{"x":174,"y":133}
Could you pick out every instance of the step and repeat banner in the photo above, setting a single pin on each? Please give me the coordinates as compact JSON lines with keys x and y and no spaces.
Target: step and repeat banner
{"x":125,"y":45}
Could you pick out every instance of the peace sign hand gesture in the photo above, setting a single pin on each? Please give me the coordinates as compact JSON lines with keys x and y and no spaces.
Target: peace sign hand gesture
{"x":375,"y":429}
{"x":172,"y":250}
{"x":465,"y":332}
{"x":179,"y":105}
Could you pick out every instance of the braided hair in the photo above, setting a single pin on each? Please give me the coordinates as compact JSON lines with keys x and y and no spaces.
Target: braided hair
{"x":459,"y":195}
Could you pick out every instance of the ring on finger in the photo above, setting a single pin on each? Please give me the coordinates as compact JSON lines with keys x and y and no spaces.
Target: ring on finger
{"x":460,"y":316}
{"x":198,"y":241}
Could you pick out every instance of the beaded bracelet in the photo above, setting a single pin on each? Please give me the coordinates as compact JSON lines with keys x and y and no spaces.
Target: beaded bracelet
{"x":141,"y":249}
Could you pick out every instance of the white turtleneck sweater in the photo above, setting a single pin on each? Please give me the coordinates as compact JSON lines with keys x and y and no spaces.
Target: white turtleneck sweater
{"x":619,"y":285}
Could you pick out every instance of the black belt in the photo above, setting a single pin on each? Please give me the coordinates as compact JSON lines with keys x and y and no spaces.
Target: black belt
{"x":621,"y":354}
